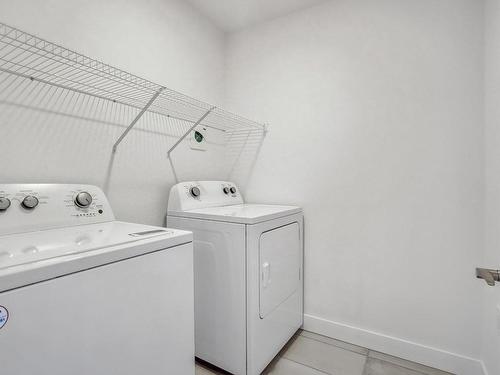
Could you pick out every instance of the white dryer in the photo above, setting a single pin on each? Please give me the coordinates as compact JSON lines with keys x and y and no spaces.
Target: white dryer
{"x":248,"y":261}
{"x":81,"y":293}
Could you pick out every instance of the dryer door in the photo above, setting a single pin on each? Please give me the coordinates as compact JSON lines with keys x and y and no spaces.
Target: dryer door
{"x":280,"y":265}
{"x":274,"y":287}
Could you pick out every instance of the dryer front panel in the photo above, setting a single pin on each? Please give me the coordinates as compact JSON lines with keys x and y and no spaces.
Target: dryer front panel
{"x":219,"y":290}
{"x":274,"y":288}
{"x":280,"y":263}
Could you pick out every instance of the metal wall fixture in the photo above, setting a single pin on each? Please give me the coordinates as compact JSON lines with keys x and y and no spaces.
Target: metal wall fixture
{"x":30,"y":58}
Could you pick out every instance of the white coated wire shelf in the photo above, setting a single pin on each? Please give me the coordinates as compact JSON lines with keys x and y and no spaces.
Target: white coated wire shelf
{"x":40,"y":76}
{"x":27,"y":56}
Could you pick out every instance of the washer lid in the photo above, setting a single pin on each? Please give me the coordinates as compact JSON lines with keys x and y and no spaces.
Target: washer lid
{"x":36,"y":256}
{"x":241,"y":213}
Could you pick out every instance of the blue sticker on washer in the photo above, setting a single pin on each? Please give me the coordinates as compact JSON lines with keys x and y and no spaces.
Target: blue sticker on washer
{"x":4,"y":316}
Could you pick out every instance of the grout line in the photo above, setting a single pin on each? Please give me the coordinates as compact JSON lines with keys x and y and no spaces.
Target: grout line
{"x":337,"y":346}
{"x":406,"y":367}
{"x":302,"y":364}
{"x":283,"y":355}
{"x":405,"y":364}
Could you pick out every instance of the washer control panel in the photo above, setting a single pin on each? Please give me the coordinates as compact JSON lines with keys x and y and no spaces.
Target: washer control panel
{"x":192,"y":195}
{"x":28,"y":207}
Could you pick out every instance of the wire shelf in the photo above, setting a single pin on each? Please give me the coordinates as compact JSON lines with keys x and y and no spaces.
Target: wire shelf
{"x":41,"y":81}
{"x":27,"y":56}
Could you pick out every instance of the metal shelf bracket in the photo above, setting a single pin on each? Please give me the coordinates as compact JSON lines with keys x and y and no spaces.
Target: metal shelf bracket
{"x":136,"y":119}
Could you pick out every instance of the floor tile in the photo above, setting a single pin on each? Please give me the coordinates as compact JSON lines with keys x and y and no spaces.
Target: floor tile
{"x":324,"y":357}
{"x":334,"y":342}
{"x":202,"y":370}
{"x":378,"y":367}
{"x":284,"y":366}
{"x":407,"y":364}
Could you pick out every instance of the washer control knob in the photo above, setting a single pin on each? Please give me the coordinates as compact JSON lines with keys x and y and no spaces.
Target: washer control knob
{"x":226,"y":190}
{"x":83,"y":199}
{"x":29,"y":202}
{"x":232,"y":190}
{"x":4,"y":203}
{"x":195,"y":191}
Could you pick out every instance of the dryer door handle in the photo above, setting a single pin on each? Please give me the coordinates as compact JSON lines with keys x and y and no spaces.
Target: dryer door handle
{"x":266,"y":274}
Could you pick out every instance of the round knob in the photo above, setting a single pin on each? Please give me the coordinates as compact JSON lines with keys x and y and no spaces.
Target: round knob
{"x":29,"y":202}
{"x":226,"y":190}
{"x":195,"y":192}
{"x":4,"y":203}
{"x":83,"y":199}
{"x":233,"y":190}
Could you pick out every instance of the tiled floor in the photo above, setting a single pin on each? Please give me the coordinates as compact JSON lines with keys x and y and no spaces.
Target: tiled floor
{"x":311,"y":354}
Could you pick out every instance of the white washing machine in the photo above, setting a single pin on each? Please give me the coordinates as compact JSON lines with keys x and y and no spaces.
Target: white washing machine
{"x":248,"y":261}
{"x":81,"y":293}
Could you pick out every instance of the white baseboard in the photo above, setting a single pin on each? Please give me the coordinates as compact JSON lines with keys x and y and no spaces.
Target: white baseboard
{"x":426,"y":355}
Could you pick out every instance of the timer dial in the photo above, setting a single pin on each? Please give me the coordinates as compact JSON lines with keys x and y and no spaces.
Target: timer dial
{"x":29,"y":202}
{"x":4,"y":204}
{"x":226,"y":190}
{"x":83,"y":199}
{"x":195,"y":191}
{"x":233,"y":190}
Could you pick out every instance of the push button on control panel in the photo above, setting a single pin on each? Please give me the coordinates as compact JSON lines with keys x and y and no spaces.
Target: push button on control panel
{"x":29,"y":202}
{"x":4,"y":204}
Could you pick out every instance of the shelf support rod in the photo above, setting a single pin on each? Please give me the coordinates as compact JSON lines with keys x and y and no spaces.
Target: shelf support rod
{"x":136,"y":119}
{"x":189,"y":131}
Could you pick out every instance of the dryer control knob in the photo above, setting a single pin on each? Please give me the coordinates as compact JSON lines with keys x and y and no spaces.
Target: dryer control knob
{"x":233,"y":190}
{"x":29,"y":202}
{"x":226,"y":190}
{"x":83,"y":199}
{"x":195,"y":191}
{"x":4,"y":203}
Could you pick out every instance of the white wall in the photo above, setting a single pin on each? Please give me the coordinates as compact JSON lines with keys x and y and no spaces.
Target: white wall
{"x":491,"y":319}
{"x":166,"y":41}
{"x":375,"y":111}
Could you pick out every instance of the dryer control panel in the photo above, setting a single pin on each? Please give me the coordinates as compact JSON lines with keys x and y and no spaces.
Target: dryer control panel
{"x":30,"y":207}
{"x":191,"y":195}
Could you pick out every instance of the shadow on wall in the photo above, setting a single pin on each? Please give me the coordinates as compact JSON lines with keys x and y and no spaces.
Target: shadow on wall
{"x":51,"y":134}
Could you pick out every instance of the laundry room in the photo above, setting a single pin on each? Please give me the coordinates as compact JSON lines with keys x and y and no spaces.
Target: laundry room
{"x":250,"y":187}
